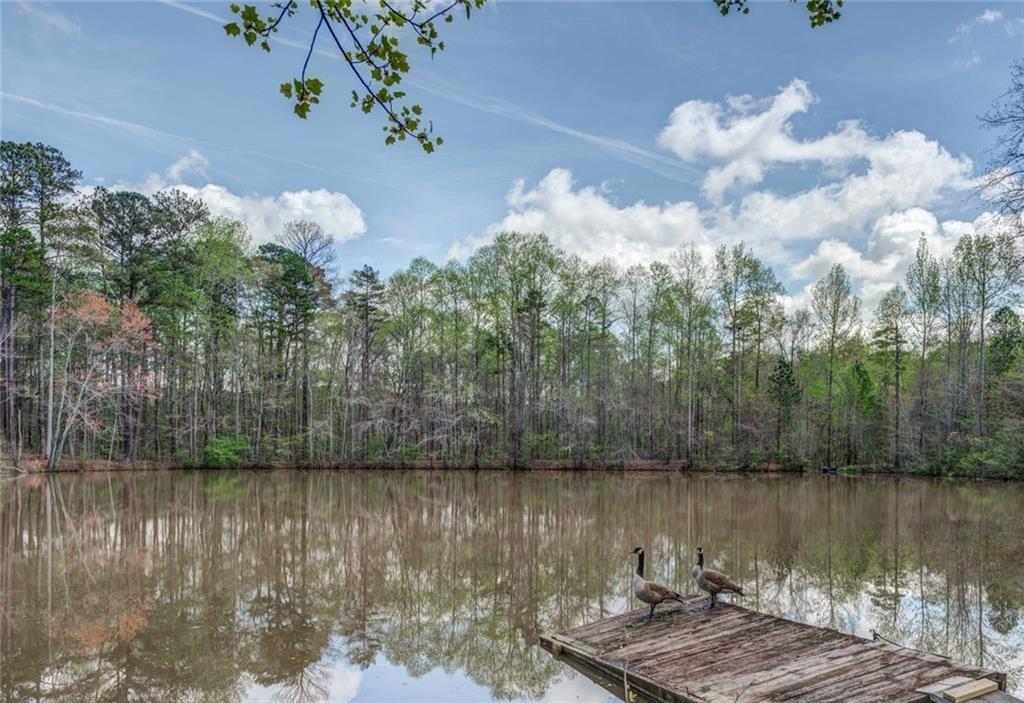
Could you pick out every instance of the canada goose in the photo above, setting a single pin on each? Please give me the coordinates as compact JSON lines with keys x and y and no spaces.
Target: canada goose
{"x":648,"y":591}
{"x":714,"y":582}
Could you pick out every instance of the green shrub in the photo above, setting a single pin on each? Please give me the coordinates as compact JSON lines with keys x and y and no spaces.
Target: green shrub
{"x":224,"y":452}
{"x":373,"y":448}
{"x":541,"y":446}
{"x":998,"y":456}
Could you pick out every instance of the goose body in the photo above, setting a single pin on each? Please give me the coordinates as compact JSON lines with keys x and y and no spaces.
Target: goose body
{"x":711,"y":581}
{"x":648,"y":591}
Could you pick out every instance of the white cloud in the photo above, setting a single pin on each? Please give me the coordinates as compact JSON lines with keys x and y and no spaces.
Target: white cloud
{"x":868,"y":216}
{"x":584,"y":221}
{"x":905,"y":170}
{"x":890,"y":249}
{"x":856,"y":223}
{"x":750,"y":141}
{"x":192,"y":162}
{"x":263,"y":215}
{"x":988,"y":17}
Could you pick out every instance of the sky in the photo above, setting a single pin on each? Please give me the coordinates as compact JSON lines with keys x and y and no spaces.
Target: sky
{"x":620,"y":129}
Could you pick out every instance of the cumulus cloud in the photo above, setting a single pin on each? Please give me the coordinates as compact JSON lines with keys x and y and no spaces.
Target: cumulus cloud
{"x":908,"y":171}
{"x":868,"y":216}
{"x":584,"y":221}
{"x":748,"y":139}
{"x":890,"y":249}
{"x":751,"y":136}
{"x":263,"y":215}
{"x":802,"y":235}
{"x":192,"y":162}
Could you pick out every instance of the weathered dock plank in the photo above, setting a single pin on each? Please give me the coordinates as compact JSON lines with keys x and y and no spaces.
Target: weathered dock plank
{"x":735,"y":655}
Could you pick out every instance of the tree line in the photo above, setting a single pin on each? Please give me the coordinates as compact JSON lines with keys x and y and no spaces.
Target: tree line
{"x":142,"y":328}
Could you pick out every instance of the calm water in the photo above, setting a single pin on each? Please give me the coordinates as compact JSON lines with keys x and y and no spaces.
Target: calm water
{"x":304,"y":586}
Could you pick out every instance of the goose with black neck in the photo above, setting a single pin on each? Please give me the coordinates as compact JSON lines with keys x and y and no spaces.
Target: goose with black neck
{"x":650,"y":592}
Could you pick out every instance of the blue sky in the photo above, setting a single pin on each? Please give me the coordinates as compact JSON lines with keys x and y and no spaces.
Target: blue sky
{"x":608,"y":125}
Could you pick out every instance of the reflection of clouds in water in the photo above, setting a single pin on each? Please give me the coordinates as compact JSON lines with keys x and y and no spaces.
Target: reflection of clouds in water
{"x":919,"y":616}
{"x":343,"y":686}
{"x":577,"y":688}
{"x":385,"y":682}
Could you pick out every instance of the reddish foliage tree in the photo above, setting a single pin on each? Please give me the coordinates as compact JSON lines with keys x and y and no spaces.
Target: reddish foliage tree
{"x":92,"y":334}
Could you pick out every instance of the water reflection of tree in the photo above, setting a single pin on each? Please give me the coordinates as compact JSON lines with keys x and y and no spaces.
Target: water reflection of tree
{"x":181,"y":587}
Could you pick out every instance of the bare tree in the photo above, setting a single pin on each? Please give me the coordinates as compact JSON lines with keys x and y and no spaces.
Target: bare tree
{"x":992,"y":268}
{"x":694,"y":283}
{"x":923,"y":284}
{"x":891,"y":319}
{"x":308,"y":239}
{"x":838,"y":312}
{"x":1004,"y":183}
{"x":732,"y":279}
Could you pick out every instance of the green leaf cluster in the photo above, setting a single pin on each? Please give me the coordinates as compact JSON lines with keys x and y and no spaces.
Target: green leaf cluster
{"x":820,"y":12}
{"x":305,"y":93}
{"x":371,"y":44}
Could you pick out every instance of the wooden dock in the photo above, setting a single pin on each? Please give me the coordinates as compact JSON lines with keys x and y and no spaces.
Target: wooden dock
{"x":735,"y":655}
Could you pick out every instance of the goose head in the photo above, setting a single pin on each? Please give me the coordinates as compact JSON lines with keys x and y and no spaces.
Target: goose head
{"x":639,"y":551}
{"x":700,"y":557}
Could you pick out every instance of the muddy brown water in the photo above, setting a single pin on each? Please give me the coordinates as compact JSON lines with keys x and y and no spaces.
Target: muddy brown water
{"x":433,"y":586}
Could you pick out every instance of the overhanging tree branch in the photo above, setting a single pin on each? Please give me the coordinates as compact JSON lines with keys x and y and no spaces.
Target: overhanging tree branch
{"x":381,"y":51}
{"x":387,"y":63}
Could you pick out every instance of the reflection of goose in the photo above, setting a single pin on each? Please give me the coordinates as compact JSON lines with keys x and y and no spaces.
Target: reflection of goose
{"x":648,"y":591}
{"x":714,"y":582}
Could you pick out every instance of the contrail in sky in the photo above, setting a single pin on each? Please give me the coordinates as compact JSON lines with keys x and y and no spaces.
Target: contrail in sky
{"x":661,"y":164}
{"x":154,"y":133}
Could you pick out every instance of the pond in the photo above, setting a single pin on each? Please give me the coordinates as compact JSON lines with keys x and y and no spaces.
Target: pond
{"x":429,"y":586}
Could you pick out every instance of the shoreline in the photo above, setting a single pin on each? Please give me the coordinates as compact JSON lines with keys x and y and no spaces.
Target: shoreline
{"x":35,"y":466}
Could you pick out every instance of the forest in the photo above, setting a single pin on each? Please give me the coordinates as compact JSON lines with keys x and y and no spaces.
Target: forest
{"x":139,"y":328}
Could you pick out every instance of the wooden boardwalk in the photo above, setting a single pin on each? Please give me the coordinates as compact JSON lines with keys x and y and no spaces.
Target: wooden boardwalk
{"x":735,"y":655}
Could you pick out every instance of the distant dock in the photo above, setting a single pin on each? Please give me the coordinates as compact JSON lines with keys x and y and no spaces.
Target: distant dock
{"x":735,"y":655}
